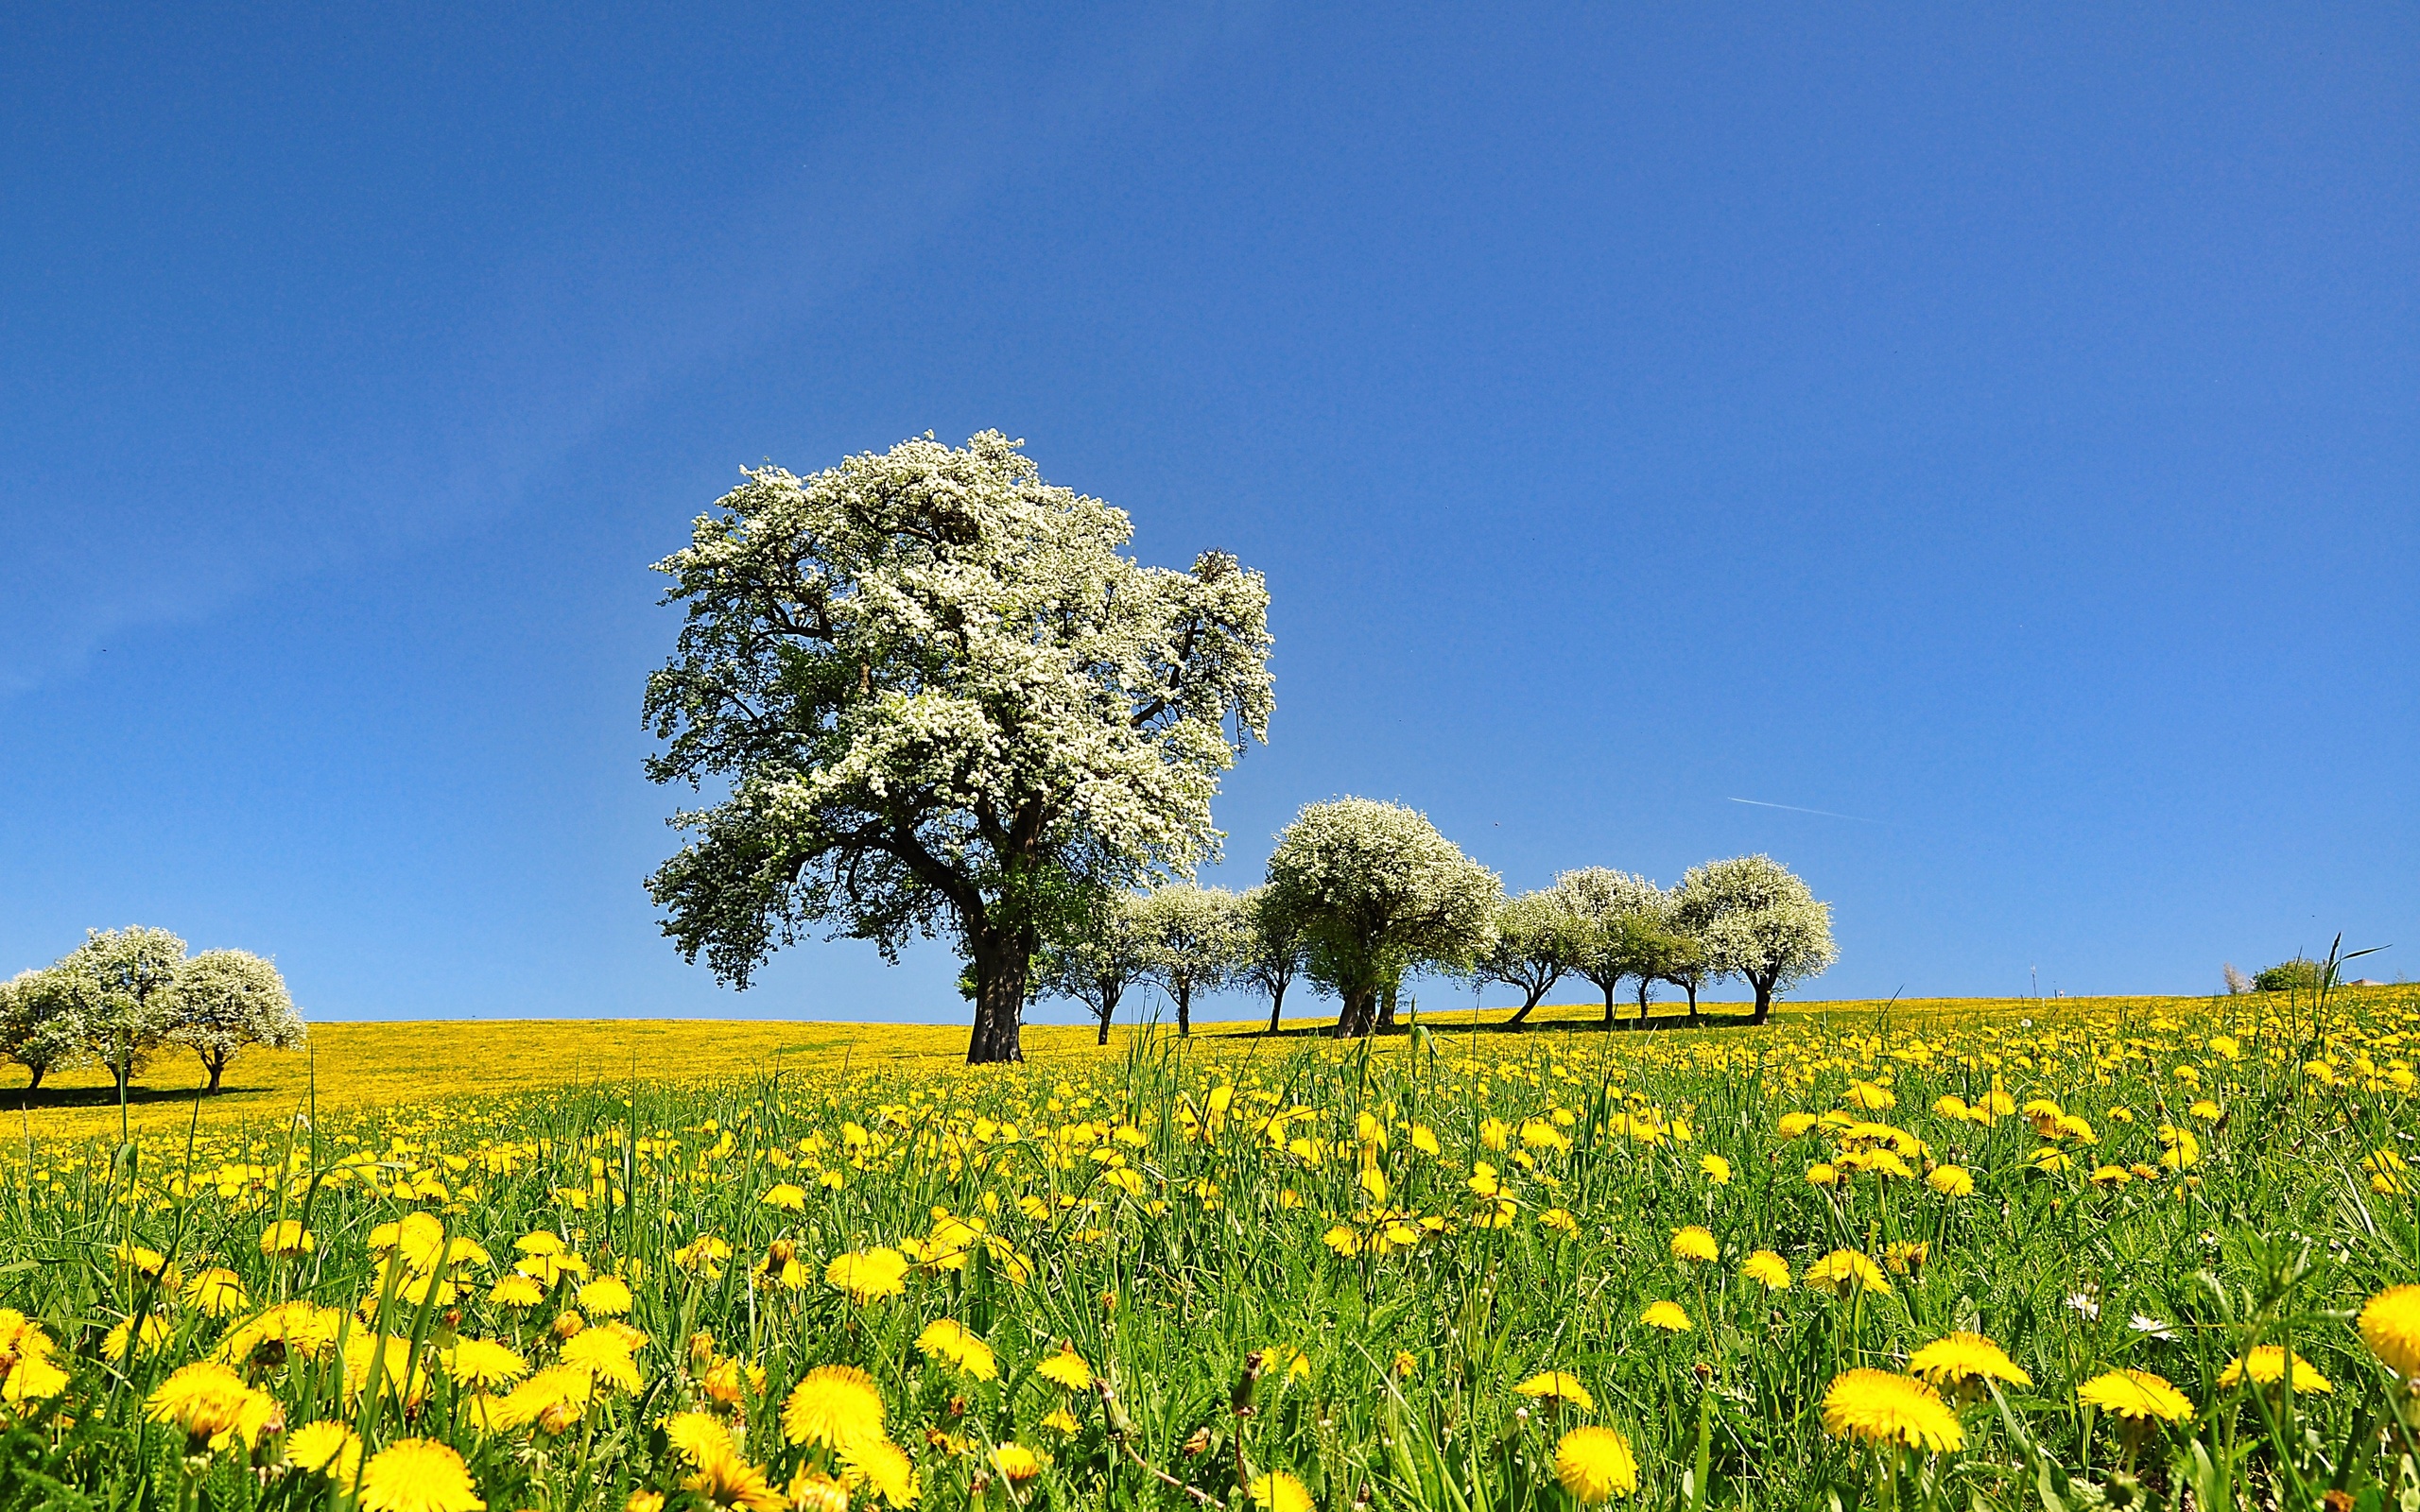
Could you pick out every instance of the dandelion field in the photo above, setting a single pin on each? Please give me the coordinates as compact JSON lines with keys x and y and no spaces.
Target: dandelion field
{"x":2059,"y":1256}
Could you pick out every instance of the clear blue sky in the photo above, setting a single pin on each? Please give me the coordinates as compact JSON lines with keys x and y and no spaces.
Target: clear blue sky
{"x":1997,"y":426}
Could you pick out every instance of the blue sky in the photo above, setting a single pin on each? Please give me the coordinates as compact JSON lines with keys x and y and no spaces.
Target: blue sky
{"x":1997,"y":426}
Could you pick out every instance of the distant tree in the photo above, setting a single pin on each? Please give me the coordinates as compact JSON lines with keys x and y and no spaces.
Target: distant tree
{"x":1274,"y":955}
{"x":1687,"y":964}
{"x":1194,"y":940}
{"x":944,"y":702}
{"x":1539,"y":941}
{"x":227,"y":1001}
{"x":1622,"y":914}
{"x":1375,"y":892}
{"x":126,"y":979}
{"x":2297,"y":975}
{"x":41,"y":1021}
{"x":2237,"y":984}
{"x":1101,"y":958}
{"x":1656,"y":950}
{"x":1757,"y":922}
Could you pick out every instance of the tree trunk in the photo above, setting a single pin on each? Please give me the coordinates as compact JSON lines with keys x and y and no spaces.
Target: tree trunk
{"x":1692,"y":985}
{"x":1000,"y":964}
{"x":1527,"y":1007}
{"x":1276,"y":1005}
{"x":1764,"y":998}
{"x":1607,"y":986}
{"x":1644,"y":983}
{"x":218,"y":1069}
{"x":35,"y":1084}
{"x":1387,"y":1008}
{"x":1183,"y":995}
{"x":1359,"y":1010}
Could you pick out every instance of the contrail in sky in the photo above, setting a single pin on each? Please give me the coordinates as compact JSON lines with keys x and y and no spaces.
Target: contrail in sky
{"x":1793,"y":808}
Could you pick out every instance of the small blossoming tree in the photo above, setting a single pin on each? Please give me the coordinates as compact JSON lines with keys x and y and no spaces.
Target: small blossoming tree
{"x":1376,"y":892}
{"x":1538,"y":942}
{"x":42,"y":1022}
{"x":127,"y":982}
{"x":1102,"y":957}
{"x":1194,"y":938}
{"x":228,"y":1000}
{"x":1756,"y":921}
{"x":942,"y":702}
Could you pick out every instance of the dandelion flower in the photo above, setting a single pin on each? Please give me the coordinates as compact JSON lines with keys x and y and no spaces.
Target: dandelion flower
{"x":1060,"y":1420}
{"x":724,"y":1479}
{"x":516,"y":1290}
{"x":286,"y":1237}
{"x":1280,"y":1493}
{"x":1670,"y":1316}
{"x":789,"y":1197}
{"x":1768,"y":1268}
{"x":418,"y":1475}
{"x":868,"y":1275}
{"x":1066,"y":1368}
{"x":1558,"y":1385}
{"x":1955,"y":1359}
{"x":1951,"y":1181}
{"x":605,"y":1355}
{"x":1822,"y":1174}
{"x":2391,"y":1327}
{"x":2135,"y":1395}
{"x":884,"y":1465}
{"x":1793,"y":1125}
{"x":834,"y":1405}
{"x":1017,"y":1462}
{"x":606,"y":1296}
{"x":1844,"y":1270}
{"x":945,"y":1339}
{"x":328,"y":1449}
{"x":696,"y":1435}
{"x":1596,"y":1465}
{"x":2265,"y":1364}
{"x":1715,"y":1169}
{"x":1694,"y":1243}
{"x":814,"y":1492}
{"x":217,"y":1291}
{"x":211,"y":1402}
{"x":1883,"y":1408}
{"x":484,"y":1364}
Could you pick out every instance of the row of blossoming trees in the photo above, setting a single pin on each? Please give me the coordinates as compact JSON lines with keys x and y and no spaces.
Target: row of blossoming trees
{"x":933,"y":697}
{"x":125,"y":994}
{"x":1361,"y":895}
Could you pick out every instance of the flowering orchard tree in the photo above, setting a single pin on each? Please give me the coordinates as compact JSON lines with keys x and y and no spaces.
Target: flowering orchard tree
{"x":227,"y":1000}
{"x":1274,"y":957}
{"x":1539,"y":941}
{"x":1376,"y":892}
{"x":41,"y":1021}
{"x":1755,"y":920}
{"x":1194,"y":939}
{"x":1101,"y":957}
{"x":126,"y":979}
{"x":943,"y":702}
{"x":1624,"y":916}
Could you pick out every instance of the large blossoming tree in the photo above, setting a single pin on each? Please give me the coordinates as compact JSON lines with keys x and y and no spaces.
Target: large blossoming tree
{"x":942,"y":702}
{"x":1753,"y":919}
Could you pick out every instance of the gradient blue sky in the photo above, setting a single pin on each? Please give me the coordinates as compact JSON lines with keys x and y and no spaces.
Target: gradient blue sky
{"x":1997,"y":426}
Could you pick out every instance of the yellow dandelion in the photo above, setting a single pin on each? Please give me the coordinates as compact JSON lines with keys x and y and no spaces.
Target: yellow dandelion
{"x":484,"y":1364}
{"x":696,"y":1435}
{"x":1955,"y":1359}
{"x":217,"y":1291}
{"x":1694,"y":1243}
{"x":1822,"y":1174}
{"x":1060,"y":1420}
{"x":517,"y":1290}
{"x":1280,"y":1493}
{"x":324,"y":1447}
{"x":1845,"y":1270}
{"x":1066,"y":1368}
{"x":947,"y":1340}
{"x":606,"y":1296}
{"x":1558,"y":1385}
{"x":286,"y":1237}
{"x":723,"y":1478}
{"x":2135,"y":1395}
{"x":1951,"y":1181}
{"x":789,"y":1197}
{"x":1767,"y":1268}
{"x":814,"y":1492}
{"x":1596,"y":1465}
{"x":1883,"y":1408}
{"x":2391,"y":1327}
{"x":418,"y":1475}
{"x":1016,"y":1463}
{"x":606,"y":1355}
{"x":2266,"y":1366}
{"x":868,"y":1275}
{"x":884,"y":1465}
{"x":1670,"y":1316}
{"x":834,"y":1405}
{"x":1715,"y":1169}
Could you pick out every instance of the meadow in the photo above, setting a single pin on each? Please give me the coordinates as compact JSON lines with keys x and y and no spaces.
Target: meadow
{"x":2054,"y":1255}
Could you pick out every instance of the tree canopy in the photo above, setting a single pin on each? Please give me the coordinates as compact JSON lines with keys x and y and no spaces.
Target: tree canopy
{"x":1194,"y":940}
{"x":1375,"y":891}
{"x":1100,"y":956}
{"x":228,"y":1000}
{"x":1756,"y":921}
{"x":1539,"y":941}
{"x":943,"y":702}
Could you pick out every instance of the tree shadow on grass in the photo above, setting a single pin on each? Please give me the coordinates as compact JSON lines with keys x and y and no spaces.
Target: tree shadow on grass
{"x":16,"y":1099}
{"x":1623,"y":1025}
